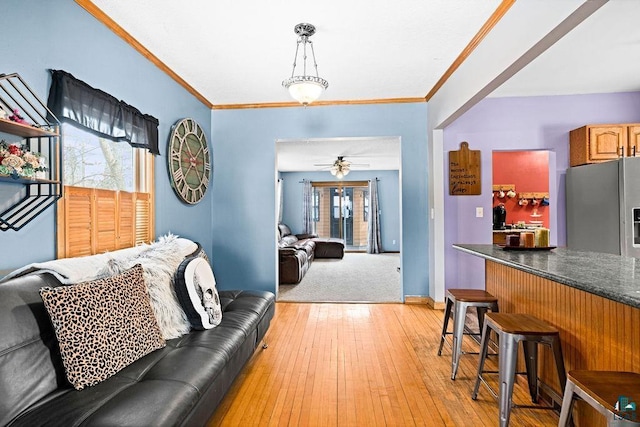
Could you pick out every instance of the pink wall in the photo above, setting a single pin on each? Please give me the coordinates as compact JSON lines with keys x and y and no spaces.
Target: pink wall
{"x":529,"y":172}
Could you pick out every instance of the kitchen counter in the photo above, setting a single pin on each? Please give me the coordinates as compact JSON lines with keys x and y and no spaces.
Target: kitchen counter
{"x":592,"y":298}
{"x":610,"y":276}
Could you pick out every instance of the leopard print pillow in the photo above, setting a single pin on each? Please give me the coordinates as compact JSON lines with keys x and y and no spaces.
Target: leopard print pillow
{"x":102,"y":325}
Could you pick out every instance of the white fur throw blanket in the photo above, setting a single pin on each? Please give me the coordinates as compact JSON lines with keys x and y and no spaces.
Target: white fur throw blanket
{"x":159,"y":260}
{"x":73,"y":270}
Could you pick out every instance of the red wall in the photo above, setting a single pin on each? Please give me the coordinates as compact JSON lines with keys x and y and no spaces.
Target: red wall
{"x":529,"y":172}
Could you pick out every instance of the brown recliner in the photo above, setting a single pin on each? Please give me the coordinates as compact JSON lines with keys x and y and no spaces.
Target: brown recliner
{"x":292,"y":247}
{"x":295,"y":254}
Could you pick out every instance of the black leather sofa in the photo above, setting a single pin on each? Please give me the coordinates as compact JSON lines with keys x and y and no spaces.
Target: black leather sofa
{"x":297,"y":251}
{"x":178,"y":385}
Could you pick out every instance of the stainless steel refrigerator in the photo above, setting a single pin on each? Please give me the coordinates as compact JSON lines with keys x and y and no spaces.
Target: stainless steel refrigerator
{"x":603,"y":207}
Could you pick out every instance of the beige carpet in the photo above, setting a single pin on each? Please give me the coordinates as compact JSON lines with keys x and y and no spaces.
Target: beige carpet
{"x":358,"y":277}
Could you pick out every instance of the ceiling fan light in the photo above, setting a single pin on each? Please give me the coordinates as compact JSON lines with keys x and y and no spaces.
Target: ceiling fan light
{"x":340,"y":174}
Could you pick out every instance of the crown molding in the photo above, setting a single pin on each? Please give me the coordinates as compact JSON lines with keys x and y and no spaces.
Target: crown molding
{"x":97,"y":13}
{"x":497,"y":15}
{"x":318,"y":103}
{"x":102,"y":17}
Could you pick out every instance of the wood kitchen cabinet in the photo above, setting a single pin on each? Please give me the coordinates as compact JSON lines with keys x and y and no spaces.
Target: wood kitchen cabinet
{"x":599,"y":143}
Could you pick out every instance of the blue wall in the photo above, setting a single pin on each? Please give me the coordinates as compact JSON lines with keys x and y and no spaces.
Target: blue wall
{"x":58,"y":34}
{"x":244,"y":236}
{"x":235,"y":221}
{"x":388,"y":197}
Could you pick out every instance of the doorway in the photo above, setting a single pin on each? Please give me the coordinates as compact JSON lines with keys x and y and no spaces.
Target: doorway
{"x":533,"y":174}
{"x":305,"y":160}
{"x":341,"y":210}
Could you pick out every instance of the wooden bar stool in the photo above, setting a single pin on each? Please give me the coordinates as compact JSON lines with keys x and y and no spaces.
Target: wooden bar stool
{"x":458,"y":301}
{"x":603,"y":390}
{"x":512,"y":328}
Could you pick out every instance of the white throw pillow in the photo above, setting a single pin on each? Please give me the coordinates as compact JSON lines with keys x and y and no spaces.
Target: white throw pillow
{"x":195,"y":287}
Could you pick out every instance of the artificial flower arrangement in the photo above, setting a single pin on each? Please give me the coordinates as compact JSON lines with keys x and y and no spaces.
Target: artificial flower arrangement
{"x":17,"y":161}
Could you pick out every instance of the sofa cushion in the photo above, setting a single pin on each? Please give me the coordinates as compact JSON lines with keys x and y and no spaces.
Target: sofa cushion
{"x":284,"y":230}
{"x":195,"y":287}
{"x":102,"y":325}
{"x":289,"y":240}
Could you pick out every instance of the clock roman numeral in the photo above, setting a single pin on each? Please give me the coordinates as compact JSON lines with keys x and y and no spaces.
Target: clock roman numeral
{"x":178,"y":175}
{"x":185,"y":191}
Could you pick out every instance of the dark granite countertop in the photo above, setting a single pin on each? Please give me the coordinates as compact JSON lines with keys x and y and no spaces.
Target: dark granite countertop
{"x":610,"y":276}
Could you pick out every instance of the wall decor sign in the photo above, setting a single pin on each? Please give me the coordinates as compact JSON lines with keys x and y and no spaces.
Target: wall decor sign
{"x":464,"y":171}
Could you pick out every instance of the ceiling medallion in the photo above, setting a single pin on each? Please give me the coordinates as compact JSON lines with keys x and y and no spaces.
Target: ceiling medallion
{"x":305,"y":88}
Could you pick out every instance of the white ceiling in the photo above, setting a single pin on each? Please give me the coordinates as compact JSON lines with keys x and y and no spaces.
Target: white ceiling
{"x":238,"y":52}
{"x":601,"y":55}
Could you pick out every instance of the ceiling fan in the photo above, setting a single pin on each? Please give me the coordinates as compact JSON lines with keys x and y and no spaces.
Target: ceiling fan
{"x":341,"y":167}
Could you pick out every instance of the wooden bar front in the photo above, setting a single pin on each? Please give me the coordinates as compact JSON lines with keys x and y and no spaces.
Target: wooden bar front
{"x":596,"y":333}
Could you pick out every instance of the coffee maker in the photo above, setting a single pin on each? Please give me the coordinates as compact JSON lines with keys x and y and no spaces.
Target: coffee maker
{"x":499,"y":217}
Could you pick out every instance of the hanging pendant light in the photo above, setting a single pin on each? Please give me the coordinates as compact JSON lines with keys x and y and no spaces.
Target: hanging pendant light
{"x":305,"y":88}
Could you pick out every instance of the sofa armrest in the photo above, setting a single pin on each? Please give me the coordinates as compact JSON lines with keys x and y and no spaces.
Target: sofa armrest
{"x":286,"y":252}
{"x":306,"y":236}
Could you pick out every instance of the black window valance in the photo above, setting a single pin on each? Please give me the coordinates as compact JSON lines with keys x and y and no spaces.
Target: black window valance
{"x":75,"y":101}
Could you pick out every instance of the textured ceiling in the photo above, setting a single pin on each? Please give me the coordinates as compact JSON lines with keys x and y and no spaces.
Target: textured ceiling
{"x":238,"y":52}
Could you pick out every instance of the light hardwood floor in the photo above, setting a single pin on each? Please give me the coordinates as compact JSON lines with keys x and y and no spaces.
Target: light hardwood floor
{"x":362,"y":365}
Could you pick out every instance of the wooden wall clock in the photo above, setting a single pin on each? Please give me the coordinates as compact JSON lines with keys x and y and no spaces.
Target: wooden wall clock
{"x":189,"y":161}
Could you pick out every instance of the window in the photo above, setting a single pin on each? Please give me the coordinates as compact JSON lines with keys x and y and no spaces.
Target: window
{"x":107,"y":203}
{"x":315,"y":203}
{"x":365,"y":205}
{"x":339,"y":211}
{"x":96,"y":162}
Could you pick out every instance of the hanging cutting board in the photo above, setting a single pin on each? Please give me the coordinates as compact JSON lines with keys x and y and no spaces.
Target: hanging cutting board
{"x":464,"y":171}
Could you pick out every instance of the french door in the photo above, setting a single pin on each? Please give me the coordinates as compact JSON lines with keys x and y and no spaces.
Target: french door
{"x":341,"y":209}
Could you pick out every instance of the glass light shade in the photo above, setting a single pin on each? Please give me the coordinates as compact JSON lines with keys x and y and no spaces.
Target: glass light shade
{"x":306,"y":92}
{"x":305,"y":89}
{"x":339,"y":174}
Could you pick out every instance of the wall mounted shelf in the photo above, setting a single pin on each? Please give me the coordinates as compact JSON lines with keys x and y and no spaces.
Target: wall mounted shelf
{"x":504,"y":187}
{"x":24,"y":198}
{"x":26,"y":131}
{"x":533,"y":195}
